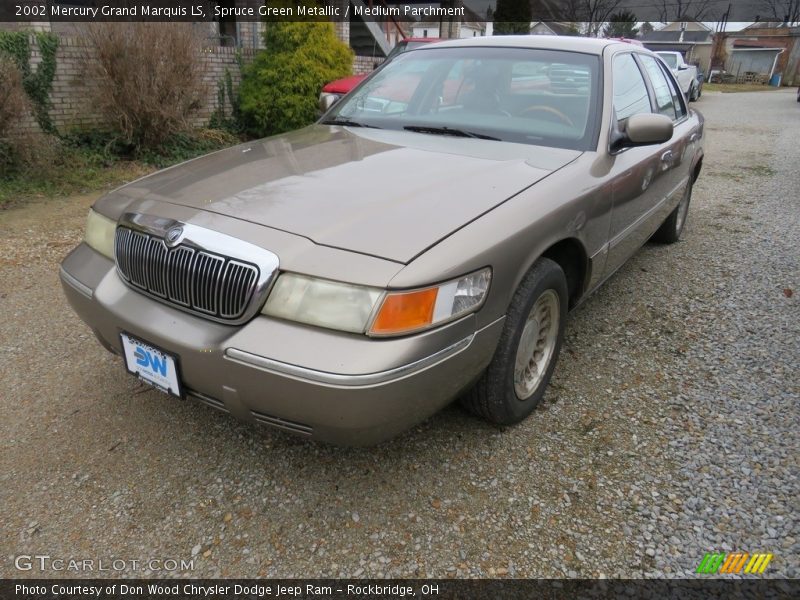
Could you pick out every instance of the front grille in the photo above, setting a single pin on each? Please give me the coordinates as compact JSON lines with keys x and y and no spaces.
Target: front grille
{"x":196,"y":280}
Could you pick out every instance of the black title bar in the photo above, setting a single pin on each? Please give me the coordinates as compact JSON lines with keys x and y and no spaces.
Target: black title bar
{"x":339,"y":589}
{"x":27,"y":11}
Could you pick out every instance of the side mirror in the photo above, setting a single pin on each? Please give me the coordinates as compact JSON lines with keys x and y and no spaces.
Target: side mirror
{"x":326,"y":101}
{"x":682,"y":67}
{"x":643,"y":130}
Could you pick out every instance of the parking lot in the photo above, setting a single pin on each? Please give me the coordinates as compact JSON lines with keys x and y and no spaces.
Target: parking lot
{"x":670,"y":429}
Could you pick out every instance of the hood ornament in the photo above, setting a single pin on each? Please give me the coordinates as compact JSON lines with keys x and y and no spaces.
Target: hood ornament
{"x":173,"y":235}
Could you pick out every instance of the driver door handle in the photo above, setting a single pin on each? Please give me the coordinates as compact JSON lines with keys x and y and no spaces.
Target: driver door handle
{"x":666,"y":158}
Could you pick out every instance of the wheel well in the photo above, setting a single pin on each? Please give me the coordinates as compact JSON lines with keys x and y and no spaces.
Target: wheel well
{"x":571,"y":257}
{"x":696,"y":171}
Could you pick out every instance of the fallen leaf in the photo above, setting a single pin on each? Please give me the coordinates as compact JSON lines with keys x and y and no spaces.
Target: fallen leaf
{"x":788,"y":292}
{"x":436,"y":503}
{"x":228,"y":518}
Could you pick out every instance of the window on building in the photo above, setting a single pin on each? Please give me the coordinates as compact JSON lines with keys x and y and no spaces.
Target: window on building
{"x":228,"y":31}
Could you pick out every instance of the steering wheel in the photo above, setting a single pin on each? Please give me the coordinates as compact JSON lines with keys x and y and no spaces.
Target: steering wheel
{"x":549,"y":110}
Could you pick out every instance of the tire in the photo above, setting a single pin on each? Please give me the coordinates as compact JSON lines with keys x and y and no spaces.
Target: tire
{"x":693,"y":96}
{"x":671,"y":229}
{"x":499,"y":396}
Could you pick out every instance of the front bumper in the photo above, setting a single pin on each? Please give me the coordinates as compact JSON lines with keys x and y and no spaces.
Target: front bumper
{"x":335,"y":387}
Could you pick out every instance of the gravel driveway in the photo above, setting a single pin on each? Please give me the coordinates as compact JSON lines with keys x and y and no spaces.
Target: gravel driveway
{"x":670,"y":430}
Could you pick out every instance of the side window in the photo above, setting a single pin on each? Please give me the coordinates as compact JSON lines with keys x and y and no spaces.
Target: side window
{"x":664,"y":100}
{"x":630,"y":91}
{"x":677,"y":99}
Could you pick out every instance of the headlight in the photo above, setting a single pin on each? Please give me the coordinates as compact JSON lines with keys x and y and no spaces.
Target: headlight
{"x":100,"y":233}
{"x":406,"y":312}
{"x":321,"y":302}
{"x":352,"y":308}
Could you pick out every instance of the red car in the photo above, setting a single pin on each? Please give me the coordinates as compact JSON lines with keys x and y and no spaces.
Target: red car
{"x":340,"y":87}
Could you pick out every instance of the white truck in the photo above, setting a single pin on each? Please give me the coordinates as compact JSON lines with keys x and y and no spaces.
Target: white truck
{"x":685,"y":74}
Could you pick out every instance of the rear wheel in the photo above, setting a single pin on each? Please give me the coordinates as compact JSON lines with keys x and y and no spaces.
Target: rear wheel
{"x":526,"y":356}
{"x":670,"y":231}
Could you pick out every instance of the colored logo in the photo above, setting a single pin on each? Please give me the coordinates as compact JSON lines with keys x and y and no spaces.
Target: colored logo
{"x":148,"y":361}
{"x":734,"y":562}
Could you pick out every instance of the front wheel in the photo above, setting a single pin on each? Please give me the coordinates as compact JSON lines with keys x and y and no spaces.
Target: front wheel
{"x":670,"y":231}
{"x":693,"y":95}
{"x":526,"y":355}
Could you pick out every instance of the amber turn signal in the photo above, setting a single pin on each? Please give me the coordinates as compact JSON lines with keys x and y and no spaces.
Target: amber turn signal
{"x":406,"y":311}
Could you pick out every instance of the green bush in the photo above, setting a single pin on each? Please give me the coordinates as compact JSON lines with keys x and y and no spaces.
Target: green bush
{"x":280,"y":88}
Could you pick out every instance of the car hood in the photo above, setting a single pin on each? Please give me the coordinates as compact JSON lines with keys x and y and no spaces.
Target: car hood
{"x":343,"y":86}
{"x":388,"y":194}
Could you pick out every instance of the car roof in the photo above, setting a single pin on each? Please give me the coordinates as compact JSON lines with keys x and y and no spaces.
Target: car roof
{"x":542,"y":42}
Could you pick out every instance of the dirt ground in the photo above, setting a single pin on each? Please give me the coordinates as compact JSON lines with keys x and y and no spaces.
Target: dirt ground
{"x":670,"y":428}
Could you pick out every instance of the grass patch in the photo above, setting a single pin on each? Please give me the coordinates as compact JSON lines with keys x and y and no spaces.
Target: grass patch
{"x":737,"y":87}
{"x":87,"y":161}
{"x":75,"y":172}
{"x":762,"y":170}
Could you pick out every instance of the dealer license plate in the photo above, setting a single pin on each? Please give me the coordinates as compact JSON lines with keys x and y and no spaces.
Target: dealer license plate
{"x":152,"y":365}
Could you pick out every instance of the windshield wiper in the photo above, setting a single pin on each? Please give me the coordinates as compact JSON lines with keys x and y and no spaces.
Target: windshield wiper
{"x":347,"y":123}
{"x":449,"y":131}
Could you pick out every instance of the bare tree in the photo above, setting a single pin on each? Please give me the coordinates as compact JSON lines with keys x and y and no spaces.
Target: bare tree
{"x":148,"y":78}
{"x":785,"y":11}
{"x":686,"y":10}
{"x":594,"y":13}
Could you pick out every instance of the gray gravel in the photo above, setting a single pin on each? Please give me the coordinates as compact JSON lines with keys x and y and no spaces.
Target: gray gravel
{"x":670,"y":429}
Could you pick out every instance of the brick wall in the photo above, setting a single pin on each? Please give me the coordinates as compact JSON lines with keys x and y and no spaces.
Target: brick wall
{"x":71,"y":106}
{"x":220,"y":59}
{"x":365,"y":64}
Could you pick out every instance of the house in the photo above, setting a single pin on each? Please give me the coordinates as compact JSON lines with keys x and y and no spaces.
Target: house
{"x":470,"y":25}
{"x":553,"y":28}
{"x":760,"y":51}
{"x":692,"y":39}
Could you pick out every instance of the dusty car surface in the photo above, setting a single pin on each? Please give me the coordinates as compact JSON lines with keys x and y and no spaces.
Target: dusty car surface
{"x":347,"y":280}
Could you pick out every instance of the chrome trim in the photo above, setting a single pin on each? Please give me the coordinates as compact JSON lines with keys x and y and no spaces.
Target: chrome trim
{"x":77,"y":285}
{"x":279,"y":423}
{"x":198,"y":255}
{"x":325,"y":377}
{"x":207,"y":400}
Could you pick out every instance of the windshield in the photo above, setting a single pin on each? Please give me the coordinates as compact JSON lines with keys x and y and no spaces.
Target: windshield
{"x":670,"y":59}
{"x":403,"y":46}
{"x":522,"y":95}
